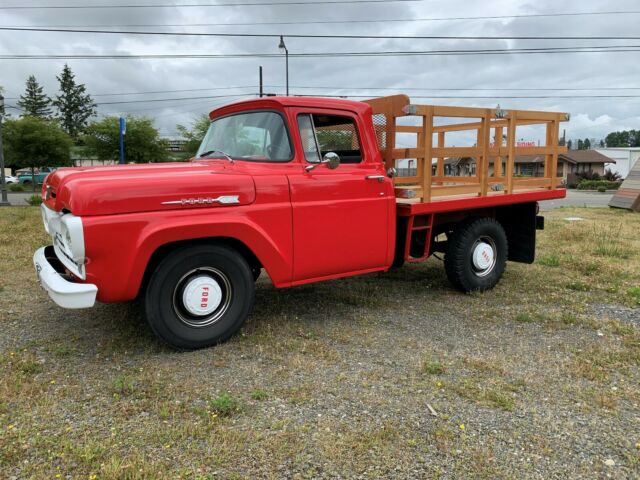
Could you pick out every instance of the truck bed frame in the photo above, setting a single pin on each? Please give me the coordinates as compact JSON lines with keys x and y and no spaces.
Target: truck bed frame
{"x":429,"y":200}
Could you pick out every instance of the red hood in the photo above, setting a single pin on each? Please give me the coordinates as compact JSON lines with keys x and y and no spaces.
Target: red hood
{"x":143,"y":188}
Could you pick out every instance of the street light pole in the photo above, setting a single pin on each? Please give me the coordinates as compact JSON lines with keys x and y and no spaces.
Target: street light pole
{"x":282,"y":46}
{"x":3,"y":181}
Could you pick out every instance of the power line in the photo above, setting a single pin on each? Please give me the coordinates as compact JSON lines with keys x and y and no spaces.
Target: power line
{"x":192,"y":5}
{"x":400,"y":53}
{"x":324,"y":22}
{"x":341,"y":36}
{"x":122,"y":102}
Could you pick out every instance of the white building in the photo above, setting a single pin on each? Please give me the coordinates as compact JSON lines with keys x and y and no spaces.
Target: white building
{"x":625,"y":158}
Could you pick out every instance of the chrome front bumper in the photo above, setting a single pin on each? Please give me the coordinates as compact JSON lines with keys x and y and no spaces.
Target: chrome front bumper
{"x":65,"y":293}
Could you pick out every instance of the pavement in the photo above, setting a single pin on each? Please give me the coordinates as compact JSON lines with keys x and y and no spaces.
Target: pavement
{"x":578,"y":198}
{"x":18,"y":198}
{"x":575,"y":198}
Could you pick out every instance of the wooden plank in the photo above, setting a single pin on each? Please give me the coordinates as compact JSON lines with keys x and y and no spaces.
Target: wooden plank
{"x":531,"y":182}
{"x":408,"y":129}
{"x":533,"y":115}
{"x":441,"y":191}
{"x":497,"y":159}
{"x":495,"y":123}
{"x":555,"y":138}
{"x":447,"y":179}
{"x":440,"y":164}
{"x":400,"y":153}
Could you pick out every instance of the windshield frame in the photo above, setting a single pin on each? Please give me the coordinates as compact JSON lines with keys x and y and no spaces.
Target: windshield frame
{"x":244,"y":159}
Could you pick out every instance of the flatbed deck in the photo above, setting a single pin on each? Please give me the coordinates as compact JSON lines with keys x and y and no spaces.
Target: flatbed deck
{"x":408,"y":208}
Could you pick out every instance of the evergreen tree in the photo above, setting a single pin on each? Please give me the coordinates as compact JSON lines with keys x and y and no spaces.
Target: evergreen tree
{"x":587,"y":144}
{"x":34,"y":102}
{"x":75,"y":106}
{"x":570,"y":144}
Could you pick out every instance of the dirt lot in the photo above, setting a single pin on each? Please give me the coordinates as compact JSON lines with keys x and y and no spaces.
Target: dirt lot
{"x":538,"y":378}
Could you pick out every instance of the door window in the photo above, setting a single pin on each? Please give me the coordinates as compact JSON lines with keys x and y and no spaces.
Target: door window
{"x":321,"y":134}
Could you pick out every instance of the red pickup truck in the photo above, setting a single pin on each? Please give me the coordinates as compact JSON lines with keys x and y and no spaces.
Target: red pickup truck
{"x":303,"y":188}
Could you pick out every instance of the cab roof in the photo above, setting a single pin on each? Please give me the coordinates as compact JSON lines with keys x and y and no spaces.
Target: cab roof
{"x":283,"y":102}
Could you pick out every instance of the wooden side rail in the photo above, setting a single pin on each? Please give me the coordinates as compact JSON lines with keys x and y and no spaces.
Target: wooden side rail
{"x":491,"y":126}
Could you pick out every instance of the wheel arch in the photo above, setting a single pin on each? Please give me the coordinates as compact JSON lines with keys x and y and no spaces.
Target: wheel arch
{"x":162,"y":251}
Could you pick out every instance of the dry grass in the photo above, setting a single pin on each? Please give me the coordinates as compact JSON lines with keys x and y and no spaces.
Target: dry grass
{"x":538,"y":378}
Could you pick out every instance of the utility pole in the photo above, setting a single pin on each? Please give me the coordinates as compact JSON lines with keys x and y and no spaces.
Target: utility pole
{"x":3,"y":181}
{"x":261,"y":86}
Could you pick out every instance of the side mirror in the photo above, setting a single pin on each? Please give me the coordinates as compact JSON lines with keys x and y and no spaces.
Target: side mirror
{"x":332,"y":160}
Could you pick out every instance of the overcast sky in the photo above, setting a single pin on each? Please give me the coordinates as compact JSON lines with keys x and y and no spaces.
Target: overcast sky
{"x":591,"y":117}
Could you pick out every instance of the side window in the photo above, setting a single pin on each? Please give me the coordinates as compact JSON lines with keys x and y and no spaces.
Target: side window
{"x":308,"y":138}
{"x":330,"y":133}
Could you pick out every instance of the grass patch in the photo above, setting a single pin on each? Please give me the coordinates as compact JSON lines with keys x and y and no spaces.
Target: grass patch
{"x":608,"y":242}
{"x":225,"y":405}
{"x":549,"y":260}
{"x":432,"y":367}
{"x":577,"y":286}
{"x":634,"y":293}
{"x":523,"y":318}
{"x":258,"y":395}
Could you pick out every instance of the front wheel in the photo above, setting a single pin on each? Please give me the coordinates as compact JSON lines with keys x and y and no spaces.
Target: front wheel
{"x":199,"y":296}
{"x":476,"y":255}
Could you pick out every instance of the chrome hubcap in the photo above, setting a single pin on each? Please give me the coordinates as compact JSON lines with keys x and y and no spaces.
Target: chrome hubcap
{"x":202,"y":297}
{"x":483,"y":256}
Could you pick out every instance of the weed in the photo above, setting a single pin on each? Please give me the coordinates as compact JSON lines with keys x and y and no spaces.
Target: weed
{"x":122,"y":386}
{"x":608,"y":243}
{"x":224,"y":405}
{"x":432,"y":367}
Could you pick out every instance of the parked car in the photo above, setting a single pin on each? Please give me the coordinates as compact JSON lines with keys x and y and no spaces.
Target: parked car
{"x":10,"y":179}
{"x":38,"y":176}
{"x":303,"y":188}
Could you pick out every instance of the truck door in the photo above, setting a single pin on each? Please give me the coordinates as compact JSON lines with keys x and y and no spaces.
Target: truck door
{"x":341,"y":217}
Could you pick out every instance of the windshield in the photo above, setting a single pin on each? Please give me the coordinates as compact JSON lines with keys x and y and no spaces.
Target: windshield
{"x":260,"y":136}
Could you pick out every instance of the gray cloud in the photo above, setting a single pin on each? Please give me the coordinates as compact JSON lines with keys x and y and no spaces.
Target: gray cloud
{"x":591,"y":117}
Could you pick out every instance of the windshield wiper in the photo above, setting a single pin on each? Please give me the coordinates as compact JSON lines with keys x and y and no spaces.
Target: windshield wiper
{"x":210,"y":152}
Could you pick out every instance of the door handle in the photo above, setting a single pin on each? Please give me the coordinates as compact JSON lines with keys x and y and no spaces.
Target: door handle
{"x":379,"y":178}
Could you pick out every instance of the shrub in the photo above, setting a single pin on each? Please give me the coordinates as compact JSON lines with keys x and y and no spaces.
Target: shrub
{"x":15,"y":187}
{"x":597,"y":185}
{"x":602,"y":189}
{"x":611,"y":176}
{"x":34,"y":200}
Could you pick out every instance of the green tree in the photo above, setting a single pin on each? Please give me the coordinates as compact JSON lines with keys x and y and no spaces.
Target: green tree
{"x":142,"y":141}
{"x":570,"y":144}
{"x":36,"y":142}
{"x":35,"y":102}
{"x":75,"y":106}
{"x":586,"y":144}
{"x":580,"y":144}
{"x":195,"y":135}
{"x":626,"y":138}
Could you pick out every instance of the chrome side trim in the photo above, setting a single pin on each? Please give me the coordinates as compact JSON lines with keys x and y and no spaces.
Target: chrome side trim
{"x":223,"y":200}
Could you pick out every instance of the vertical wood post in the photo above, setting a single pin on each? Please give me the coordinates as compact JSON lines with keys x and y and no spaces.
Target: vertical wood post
{"x":555,"y":138}
{"x":511,"y":145}
{"x":427,"y":146}
{"x":485,"y":130}
{"x":440,"y":166}
{"x":497,"y":161}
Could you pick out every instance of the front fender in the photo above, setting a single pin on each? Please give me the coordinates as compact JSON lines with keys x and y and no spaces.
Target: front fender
{"x":120,"y":247}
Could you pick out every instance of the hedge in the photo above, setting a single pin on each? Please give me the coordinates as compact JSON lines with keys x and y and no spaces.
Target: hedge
{"x":597,"y":185}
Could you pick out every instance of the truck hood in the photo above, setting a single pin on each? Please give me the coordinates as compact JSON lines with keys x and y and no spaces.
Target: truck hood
{"x":149,"y":187}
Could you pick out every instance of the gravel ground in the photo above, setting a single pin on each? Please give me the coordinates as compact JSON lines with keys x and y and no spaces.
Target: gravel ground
{"x":538,"y":378}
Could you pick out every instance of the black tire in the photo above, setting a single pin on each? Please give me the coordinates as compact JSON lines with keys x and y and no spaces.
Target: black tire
{"x":470,"y":237}
{"x":172,"y":318}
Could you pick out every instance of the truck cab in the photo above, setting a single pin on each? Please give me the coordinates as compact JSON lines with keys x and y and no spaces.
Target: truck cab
{"x":299,"y":187}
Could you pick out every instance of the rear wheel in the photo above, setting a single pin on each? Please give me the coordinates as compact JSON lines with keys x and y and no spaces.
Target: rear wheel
{"x":476,"y":255}
{"x":199,"y":296}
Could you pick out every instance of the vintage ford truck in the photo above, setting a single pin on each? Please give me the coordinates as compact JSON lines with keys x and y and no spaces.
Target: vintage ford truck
{"x":304,"y":188}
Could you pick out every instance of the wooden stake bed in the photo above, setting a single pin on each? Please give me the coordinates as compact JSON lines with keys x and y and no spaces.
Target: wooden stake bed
{"x":489,"y":126}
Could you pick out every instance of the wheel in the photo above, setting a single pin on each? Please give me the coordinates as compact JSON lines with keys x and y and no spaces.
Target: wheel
{"x":476,"y":255}
{"x":199,"y":296}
